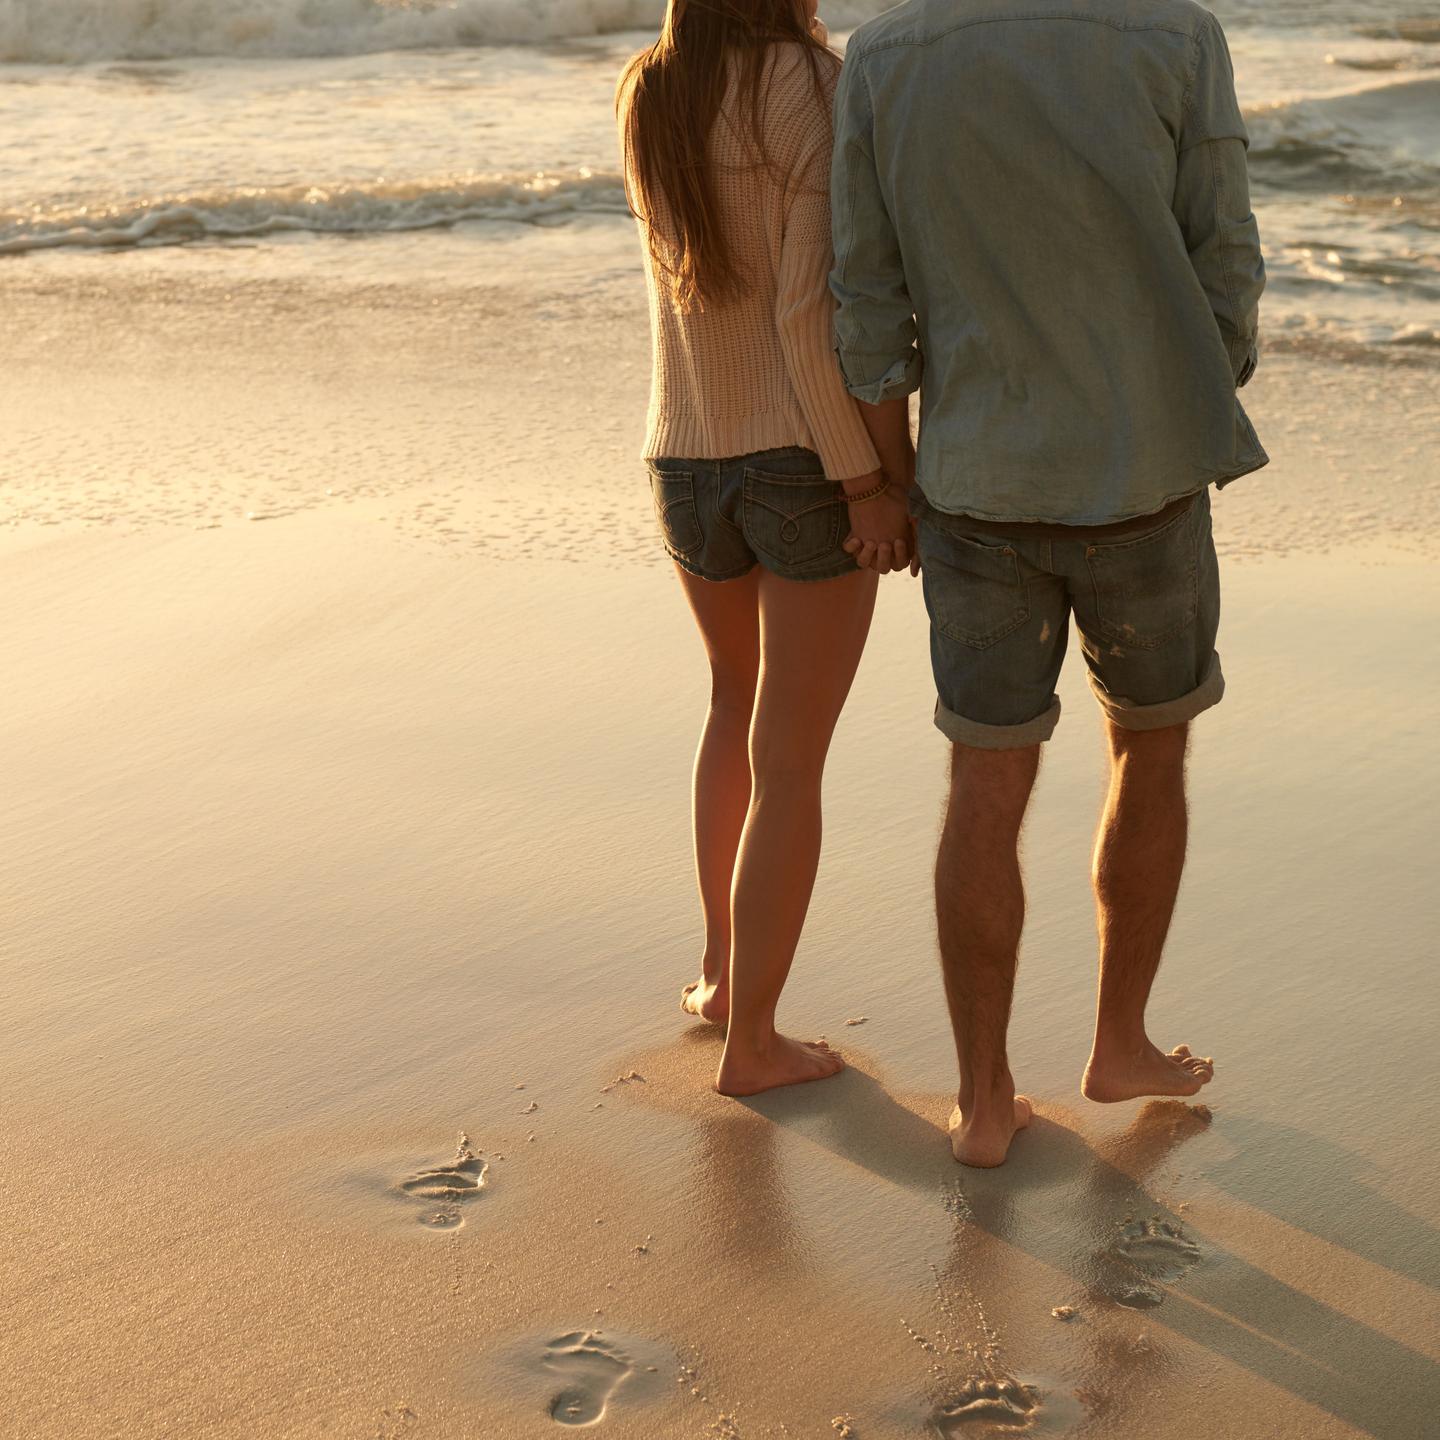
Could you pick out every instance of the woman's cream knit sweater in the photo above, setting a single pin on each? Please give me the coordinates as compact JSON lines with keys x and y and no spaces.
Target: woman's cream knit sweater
{"x":759,"y":372}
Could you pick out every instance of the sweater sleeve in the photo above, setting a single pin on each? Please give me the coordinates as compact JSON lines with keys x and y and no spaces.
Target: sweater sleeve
{"x":805,"y":317}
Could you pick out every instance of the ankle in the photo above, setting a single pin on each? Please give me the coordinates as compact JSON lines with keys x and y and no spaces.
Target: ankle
{"x":750,"y":1041}
{"x":716,"y":972}
{"x":981,"y":1093}
{"x":1119,"y":1042}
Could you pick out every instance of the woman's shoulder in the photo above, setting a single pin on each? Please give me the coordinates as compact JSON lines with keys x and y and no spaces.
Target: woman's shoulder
{"x":796,"y":68}
{"x":800,"y":90}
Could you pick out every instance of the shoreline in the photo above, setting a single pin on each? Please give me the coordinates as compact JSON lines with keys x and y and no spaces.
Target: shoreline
{"x":467,"y":419}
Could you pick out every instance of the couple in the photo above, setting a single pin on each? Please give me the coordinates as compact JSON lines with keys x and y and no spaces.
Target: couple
{"x":1045,"y":206}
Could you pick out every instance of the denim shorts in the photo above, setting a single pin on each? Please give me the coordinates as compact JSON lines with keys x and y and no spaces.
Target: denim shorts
{"x":1146,"y":604}
{"x":718,"y":517}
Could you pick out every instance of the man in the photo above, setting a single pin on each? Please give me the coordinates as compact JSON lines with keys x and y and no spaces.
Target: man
{"x":1048,"y":205}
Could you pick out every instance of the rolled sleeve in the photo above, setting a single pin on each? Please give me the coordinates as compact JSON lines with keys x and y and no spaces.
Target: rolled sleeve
{"x":875,"y":331}
{"x":1212,"y":201}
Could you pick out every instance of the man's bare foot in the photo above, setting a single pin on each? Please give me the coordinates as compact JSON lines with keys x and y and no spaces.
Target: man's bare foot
{"x":706,"y":1001}
{"x":983,"y":1139}
{"x":1118,"y":1075}
{"x":746,"y":1070}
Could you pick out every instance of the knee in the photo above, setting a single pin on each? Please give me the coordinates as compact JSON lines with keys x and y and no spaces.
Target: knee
{"x":788,"y":764}
{"x":732,"y":697}
{"x":993,"y":774}
{"x":1165,"y":747}
{"x":990,"y":792}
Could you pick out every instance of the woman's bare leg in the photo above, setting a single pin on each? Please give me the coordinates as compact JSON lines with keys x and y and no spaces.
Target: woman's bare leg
{"x":728,"y":614}
{"x":811,"y":638}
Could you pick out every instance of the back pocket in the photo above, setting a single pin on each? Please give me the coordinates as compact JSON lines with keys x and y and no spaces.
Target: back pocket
{"x":1146,"y":589}
{"x":674,"y":493}
{"x":792,"y":519}
{"x":973,"y":591}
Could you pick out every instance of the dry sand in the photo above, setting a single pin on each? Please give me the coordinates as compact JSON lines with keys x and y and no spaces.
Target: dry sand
{"x":335,"y":838}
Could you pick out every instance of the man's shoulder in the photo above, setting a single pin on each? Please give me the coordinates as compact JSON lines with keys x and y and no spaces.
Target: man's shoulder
{"x":1187,"y":16}
{"x":922,"y":22}
{"x":906,"y":23}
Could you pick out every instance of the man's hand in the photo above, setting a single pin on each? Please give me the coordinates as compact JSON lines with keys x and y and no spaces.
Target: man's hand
{"x":882,"y":537}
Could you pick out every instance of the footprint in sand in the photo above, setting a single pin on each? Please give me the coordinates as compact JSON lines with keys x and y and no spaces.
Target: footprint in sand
{"x":1157,"y":1248}
{"x":451,"y":1185}
{"x":985,"y":1406}
{"x":592,"y":1370}
{"x":1159,"y":1251}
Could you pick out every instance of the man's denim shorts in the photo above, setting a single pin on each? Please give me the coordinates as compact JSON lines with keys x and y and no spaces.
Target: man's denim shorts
{"x":718,"y":517}
{"x":1146,"y":604}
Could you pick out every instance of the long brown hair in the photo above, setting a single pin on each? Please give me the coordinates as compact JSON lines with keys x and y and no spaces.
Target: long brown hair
{"x":668,"y":101}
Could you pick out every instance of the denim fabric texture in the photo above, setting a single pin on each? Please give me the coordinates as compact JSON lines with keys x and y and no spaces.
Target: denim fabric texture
{"x":1042,"y":220}
{"x":1146,"y":605}
{"x":719,"y":518}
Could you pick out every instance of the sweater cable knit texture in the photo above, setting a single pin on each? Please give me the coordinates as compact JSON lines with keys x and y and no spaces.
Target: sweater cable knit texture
{"x":759,"y":372}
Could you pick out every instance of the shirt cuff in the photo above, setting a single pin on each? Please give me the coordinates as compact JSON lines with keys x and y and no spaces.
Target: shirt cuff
{"x":898,"y":377}
{"x":1244,"y":357}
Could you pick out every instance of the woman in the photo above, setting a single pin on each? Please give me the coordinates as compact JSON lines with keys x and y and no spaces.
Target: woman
{"x":761,"y":468}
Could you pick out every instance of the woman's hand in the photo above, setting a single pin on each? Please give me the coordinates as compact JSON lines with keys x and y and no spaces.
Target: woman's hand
{"x":882,"y":535}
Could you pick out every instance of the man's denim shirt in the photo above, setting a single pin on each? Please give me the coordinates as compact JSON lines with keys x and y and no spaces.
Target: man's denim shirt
{"x":1047,"y":201}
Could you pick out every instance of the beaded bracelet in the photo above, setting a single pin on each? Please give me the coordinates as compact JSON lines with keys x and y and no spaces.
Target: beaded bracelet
{"x":873,"y":493}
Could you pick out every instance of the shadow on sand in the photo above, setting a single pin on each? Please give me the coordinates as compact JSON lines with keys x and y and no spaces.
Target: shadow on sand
{"x":1059,"y":1199}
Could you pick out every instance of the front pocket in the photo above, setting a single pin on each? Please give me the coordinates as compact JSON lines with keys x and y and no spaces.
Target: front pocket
{"x":793,"y":519}
{"x":1146,"y":590}
{"x":973,"y":591}
{"x":674,"y":493}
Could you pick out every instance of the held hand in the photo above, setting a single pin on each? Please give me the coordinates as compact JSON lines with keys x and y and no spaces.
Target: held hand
{"x":881,"y":534}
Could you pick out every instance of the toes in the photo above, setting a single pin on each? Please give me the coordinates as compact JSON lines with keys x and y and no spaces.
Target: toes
{"x":1023,"y":1111}
{"x":1181,"y":1052}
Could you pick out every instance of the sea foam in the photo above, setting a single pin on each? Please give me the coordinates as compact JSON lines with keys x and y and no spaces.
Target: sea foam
{"x":341,"y":209}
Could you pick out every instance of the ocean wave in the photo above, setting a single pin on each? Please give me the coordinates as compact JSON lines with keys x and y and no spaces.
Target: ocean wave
{"x":346,"y":209}
{"x":77,"y":31}
{"x":1417,"y":32}
{"x":1387,"y":137}
{"x":1381,"y":64}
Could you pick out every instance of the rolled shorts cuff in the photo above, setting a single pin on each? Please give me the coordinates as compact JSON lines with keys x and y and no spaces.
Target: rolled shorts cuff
{"x":1130,"y":716}
{"x":997,"y":737}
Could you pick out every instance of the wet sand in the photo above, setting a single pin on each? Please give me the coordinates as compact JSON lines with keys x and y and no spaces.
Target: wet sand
{"x":346,"y":1090}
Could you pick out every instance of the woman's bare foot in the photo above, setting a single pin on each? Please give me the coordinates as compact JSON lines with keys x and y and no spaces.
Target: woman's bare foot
{"x":748,"y":1070}
{"x":706,"y":1001}
{"x":983,"y":1138}
{"x":1115,"y":1075}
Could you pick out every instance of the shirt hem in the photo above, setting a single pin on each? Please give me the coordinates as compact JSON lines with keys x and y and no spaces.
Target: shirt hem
{"x":1219,"y":479}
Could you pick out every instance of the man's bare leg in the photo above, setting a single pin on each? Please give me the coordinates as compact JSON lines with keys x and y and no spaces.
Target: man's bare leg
{"x":1139,"y":857}
{"x":980,"y":910}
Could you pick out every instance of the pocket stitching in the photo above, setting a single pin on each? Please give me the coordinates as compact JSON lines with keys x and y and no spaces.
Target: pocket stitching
{"x":995,"y":635}
{"x":664,"y":507}
{"x":791,"y":517}
{"x":1113,"y":630}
